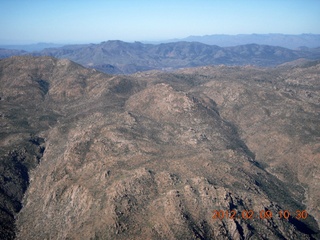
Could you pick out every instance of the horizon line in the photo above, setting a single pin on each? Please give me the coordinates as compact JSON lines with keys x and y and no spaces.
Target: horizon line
{"x":5,"y":42}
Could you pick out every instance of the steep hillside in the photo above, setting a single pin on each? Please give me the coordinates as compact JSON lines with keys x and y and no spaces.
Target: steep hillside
{"x":154,"y":154}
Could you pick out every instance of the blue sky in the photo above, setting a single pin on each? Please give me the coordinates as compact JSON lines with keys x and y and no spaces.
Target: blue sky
{"x":80,"y":21}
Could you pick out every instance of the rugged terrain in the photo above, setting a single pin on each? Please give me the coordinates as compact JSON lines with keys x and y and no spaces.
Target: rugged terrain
{"x":86,"y":155}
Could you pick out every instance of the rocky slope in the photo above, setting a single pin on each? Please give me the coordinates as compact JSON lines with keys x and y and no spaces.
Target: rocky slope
{"x":153,"y":155}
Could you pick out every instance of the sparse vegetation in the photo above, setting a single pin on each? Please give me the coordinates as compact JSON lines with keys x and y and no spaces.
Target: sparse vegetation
{"x":151,"y":155}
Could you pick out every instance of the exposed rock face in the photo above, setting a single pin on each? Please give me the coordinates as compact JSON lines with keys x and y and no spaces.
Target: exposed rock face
{"x":152,"y":155}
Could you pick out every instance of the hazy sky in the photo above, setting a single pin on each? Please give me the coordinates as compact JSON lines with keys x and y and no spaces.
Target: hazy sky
{"x":80,"y":21}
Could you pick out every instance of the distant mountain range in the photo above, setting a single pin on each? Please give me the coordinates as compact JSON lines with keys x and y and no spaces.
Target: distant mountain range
{"x":281,"y":40}
{"x":5,"y":53}
{"x":117,"y":57}
{"x":222,"y":40}
{"x":122,"y":57}
{"x":31,"y":47}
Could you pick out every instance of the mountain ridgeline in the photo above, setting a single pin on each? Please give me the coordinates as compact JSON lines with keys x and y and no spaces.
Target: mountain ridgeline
{"x":117,"y":57}
{"x":121,"y":57}
{"x":281,"y":40}
{"x":196,"y":153}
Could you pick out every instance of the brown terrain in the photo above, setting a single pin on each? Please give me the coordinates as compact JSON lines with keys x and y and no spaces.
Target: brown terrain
{"x":86,"y":155}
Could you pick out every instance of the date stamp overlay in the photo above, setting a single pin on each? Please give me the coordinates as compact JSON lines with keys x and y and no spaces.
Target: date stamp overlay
{"x":262,"y":214}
